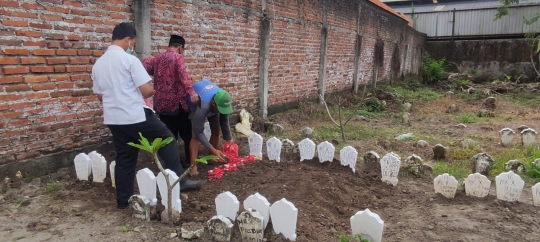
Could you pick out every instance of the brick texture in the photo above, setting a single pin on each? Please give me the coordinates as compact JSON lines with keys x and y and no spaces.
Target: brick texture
{"x":47,"y":51}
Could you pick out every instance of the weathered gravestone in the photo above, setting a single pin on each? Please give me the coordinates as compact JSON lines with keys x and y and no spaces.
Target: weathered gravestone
{"x":99,"y":166}
{"x":406,"y":118}
{"x":260,"y":204}
{"x":509,"y":186}
{"x":439,"y":152}
{"x":536,"y":194}
{"x":288,"y":146}
{"x":468,"y":143}
{"x":140,"y":207}
{"x":371,"y":157}
{"x":446,"y":185}
{"x":255,"y":144}
{"x":528,"y":137}
{"x":112,"y":167}
{"x":307,"y":149}
{"x":514,"y":165}
{"x":482,"y":163}
{"x":220,"y":228}
{"x":82,"y":167}
{"x":536,"y":163}
{"x":227,"y":205}
{"x":325,"y":151}
{"x":507,"y":135}
{"x":307,"y":132}
{"x":207,"y":131}
{"x":251,"y":226}
{"x":422,"y":144}
{"x":415,"y":164}
{"x":273,"y":149}
{"x":348,"y":156}
{"x":284,"y":216}
{"x":175,"y":194}
{"x":477,"y":185}
{"x":146,"y":180}
{"x":390,"y":164}
{"x":367,"y":224}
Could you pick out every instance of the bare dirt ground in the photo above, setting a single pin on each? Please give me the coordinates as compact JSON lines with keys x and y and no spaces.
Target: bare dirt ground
{"x":326,"y":195}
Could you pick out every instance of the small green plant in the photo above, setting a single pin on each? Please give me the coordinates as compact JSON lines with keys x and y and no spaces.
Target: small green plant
{"x":374,"y":105}
{"x":432,"y":70}
{"x":351,"y":237}
{"x":52,"y":188}
{"x":20,"y":203}
{"x":18,"y":238}
{"x":125,"y":228}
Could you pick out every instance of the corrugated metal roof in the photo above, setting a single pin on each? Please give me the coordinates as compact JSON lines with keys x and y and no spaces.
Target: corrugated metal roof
{"x":389,"y":9}
{"x":457,"y":5}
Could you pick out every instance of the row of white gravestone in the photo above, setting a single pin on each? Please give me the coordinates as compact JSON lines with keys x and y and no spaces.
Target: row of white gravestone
{"x":148,"y":182}
{"x":528,"y":136}
{"x":508,"y":186}
{"x":93,"y":164}
{"x":307,"y":148}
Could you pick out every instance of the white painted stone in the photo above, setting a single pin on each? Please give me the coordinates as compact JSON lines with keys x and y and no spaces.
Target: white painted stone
{"x":367,"y":224}
{"x":112,"y":166}
{"x":207,"y":131}
{"x":528,"y":137}
{"x":81,"y":166}
{"x":536,"y":194}
{"x":506,"y":135}
{"x":509,"y":186}
{"x":146,"y":181}
{"x":348,"y":156}
{"x":220,"y":228}
{"x":307,"y":149}
{"x":325,"y":151}
{"x":175,"y":194}
{"x":251,"y":226}
{"x":390,"y":164}
{"x":227,"y":205}
{"x":284,"y":216}
{"x":477,"y":185}
{"x":260,"y":204}
{"x":273,"y":149}
{"x":446,"y":185}
{"x":255,"y":144}
{"x":99,"y":166}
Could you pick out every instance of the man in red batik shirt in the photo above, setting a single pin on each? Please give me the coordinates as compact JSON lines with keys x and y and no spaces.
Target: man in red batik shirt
{"x":172,"y":84}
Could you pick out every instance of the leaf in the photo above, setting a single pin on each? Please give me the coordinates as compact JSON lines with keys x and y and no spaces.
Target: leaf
{"x":209,"y":157}
{"x":145,"y":142}
{"x":156,"y":144}
{"x":167,"y":141}
{"x":201,"y":161}
{"x":139,"y":147}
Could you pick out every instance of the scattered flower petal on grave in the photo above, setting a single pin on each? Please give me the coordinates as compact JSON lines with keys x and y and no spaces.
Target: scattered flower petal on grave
{"x":234,"y":162}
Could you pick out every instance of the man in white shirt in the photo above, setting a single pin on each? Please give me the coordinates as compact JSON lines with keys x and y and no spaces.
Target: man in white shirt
{"x":122,"y":83}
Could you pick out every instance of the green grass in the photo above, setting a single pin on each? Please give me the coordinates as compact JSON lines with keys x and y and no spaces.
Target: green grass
{"x":458,"y":169}
{"x":52,"y":188}
{"x":18,"y":238}
{"x":525,"y":155}
{"x":125,"y":228}
{"x":420,"y":94}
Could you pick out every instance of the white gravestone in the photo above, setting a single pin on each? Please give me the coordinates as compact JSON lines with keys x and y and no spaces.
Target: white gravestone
{"x":259,"y":204}
{"x":99,"y":166}
{"x":112,"y":166}
{"x":325,"y":151}
{"x":207,"y":131}
{"x":146,"y":181}
{"x":273,"y":149}
{"x":446,"y":185}
{"x":507,"y":135}
{"x":477,"y":185}
{"x":175,"y":194}
{"x":307,"y":149}
{"x":284,"y":216}
{"x":528,"y":137}
{"x":348,"y":157}
{"x":536,"y":194}
{"x":509,"y":186}
{"x":367,"y":224}
{"x":220,"y":228}
{"x":390,"y":164}
{"x":255,"y":144}
{"x":227,"y":205}
{"x":251,"y":226}
{"x":81,"y":166}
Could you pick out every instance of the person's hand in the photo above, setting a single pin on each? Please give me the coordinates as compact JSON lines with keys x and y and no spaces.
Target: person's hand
{"x":230,"y":142}
{"x":221,"y":157}
{"x":195,"y":99}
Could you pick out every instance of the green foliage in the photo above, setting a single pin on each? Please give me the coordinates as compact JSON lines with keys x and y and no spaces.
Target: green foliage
{"x":417,"y":94}
{"x":502,"y":10}
{"x":457,"y":169}
{"x":432,"y":70}
{"x":351,"y":238}
{"x":52,"y":188}
{"x":525,"y":155}
{"x":374,"y":105}
{"x":18,"y":238}
{"x":125,"y":228}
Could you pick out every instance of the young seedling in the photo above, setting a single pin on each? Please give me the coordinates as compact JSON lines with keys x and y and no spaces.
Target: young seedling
{"x":342,"y":123}
{"x":153,"y":149}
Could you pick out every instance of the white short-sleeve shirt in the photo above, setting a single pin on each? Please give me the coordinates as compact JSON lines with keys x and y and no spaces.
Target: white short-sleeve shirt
{"x":117,"y":76}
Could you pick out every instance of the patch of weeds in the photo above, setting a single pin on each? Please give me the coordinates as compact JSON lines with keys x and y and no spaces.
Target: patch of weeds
{"x":52,"y":188}
{"x":524,"y":98}
{"x":456,"y":169}
{"x":525,"y":155}
{"x":18,"y":238}
{"x":462,"y":154}
{"x":420,"y":94}
{"x":468,"y":118}
{"x":125,"y":228}
{"x":351,"y":238}
{"x":21,"y":203}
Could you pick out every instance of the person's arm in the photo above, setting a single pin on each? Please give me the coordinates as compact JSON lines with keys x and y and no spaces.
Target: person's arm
{"x":225,"y":128}
{"x":95,"y":87}
{"x":148,"y":64}
{"x":198,"y":121}
{"x":185,"y":78}
{"x":141,"y":78}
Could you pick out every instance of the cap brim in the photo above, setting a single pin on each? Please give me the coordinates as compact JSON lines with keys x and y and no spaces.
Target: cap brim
{"x":225,"y":110}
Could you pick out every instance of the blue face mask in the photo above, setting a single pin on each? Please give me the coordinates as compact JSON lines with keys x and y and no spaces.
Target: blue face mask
{"x":129,"y":50}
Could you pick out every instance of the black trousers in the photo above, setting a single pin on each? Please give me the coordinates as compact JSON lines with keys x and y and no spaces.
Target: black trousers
{"x":126,"y":155}
{"x":180,"y":125}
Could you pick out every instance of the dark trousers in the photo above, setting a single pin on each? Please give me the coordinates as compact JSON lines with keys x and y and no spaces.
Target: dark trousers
{"x":126,"y":155}
{"x":180,"y":125}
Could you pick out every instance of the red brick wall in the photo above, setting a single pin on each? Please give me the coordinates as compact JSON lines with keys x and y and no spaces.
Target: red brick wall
{"x":47,"y":50}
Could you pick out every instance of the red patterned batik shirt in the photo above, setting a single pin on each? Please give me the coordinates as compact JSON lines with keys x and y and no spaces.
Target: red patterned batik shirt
{"x":171,"y":82}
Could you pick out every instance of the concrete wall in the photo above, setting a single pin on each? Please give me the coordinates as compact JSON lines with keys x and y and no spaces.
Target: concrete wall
{"x":48,"y":48}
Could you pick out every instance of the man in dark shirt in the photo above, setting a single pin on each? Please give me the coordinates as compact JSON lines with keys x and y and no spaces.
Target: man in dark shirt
{"x":216,"y":105}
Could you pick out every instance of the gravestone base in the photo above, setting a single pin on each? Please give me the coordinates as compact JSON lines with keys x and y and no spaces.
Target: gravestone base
{"x":192,"y":230}
{"x":165,"y":216}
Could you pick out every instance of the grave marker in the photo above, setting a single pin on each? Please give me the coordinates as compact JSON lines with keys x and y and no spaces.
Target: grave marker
{"x":146,"y":180}
{"x":99,"y":166}
{"x":81,"y":166}
{"x":367,"y":224}
{"x":482,"y":163}
{"x":348,"y":156}
{"x":288,"y":146}
{"x":477,"y":185}
{"x":506,"y":135}
{"x":273,"y":149}
{"x":259,"y":204}
{"x":284,"y":216}
{"x":175,"y":194}
{"x":140,"y":207}
{"x":251,"y":226}
{"x":307,"y":149}
{"x":528,"y":137}
{"x":372,"y":157}
{"x":112,"y":166}
{"x":390,"y":164}
{"x":255,"y":144}
{"x":446,"y":185}
{"x":220,"y":228}
{"x":509,"y":186}
{"x":227,"y":205}
{"x":536,"y":194}
{"x":325,"y":151}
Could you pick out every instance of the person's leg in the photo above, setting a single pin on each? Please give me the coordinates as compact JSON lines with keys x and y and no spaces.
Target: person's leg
{"x":171,"y":121}
{"x":193,"y":151}
{"x":185,"y":131}
{"x":215,"y":130}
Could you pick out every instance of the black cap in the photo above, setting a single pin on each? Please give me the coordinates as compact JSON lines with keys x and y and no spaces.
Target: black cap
{"x":175,"y":39}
